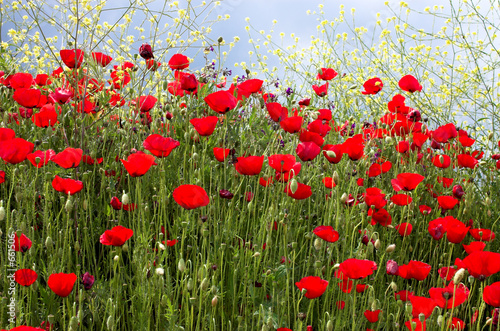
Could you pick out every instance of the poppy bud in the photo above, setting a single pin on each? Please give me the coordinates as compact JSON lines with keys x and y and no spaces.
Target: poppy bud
{"x":2,"y":211}
{"x":68,"y":206}
{"x":421,"y":317}
{"x":125,"y":247}
{"x":331,"y":154}
{"x":190,"y":284}
{"x":204,"y":284}
{"x":116,"y":258}
{"x":181,"y":265}
{"x":294,"y":186}
{"x":160,"y":271}
{"x":329,"y":326}
{"x":490,"y":136}
{"x":110,"y":323}
{"x":48,"y":242}
{"x":394,"y":286}
{"x":389,"y":140}
{"x":441,"y":159}
{"x":459,"y":275}
{"x":257,"y":254}
{"x":317,"y":244}
{"x":125,"y":198}
{"x":377,"y":244}
{"x":344,"y":198}
{"x":488,"y":213}
{"x":440,"y":320}
{"x":73,"y":323}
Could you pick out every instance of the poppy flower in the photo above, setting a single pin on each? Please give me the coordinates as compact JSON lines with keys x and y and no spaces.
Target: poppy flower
{"x":306,"y":135}
{"x":314,"y":285}
{"x":120,"y":78}
{"x":69,"y":158}
{"x":15,"y":150}
{"x":87,"y":281}
{"x":414,"y":270}
{"x":117,"y":236}
{"x":437,"y":227}
{"x":357,"y":269}
{"x":101,"y":59}
{"x":447,"y":202}
{"x":283,"y":329}
{"x":450,"y":296}
{"x":307,"y":151}
{"x":146,"y":102}
{"x":491,"y":294}
{"x":327,"y":233}
{"x":21,"y":244}
{"x":44,"y":156}
{"x":443,"y":133}
{"x":326,"y":74}
{"x":21,"y":80}
{"x":205,"y":126}
{"x":456,"y":230}
{"x":138,"y":164}
{"x":441,"y":161}
{"x":281,"y":162}
{"x":292,"y":124}
{"x":160,"y":146}
{"x":373,"y":86}
{"x":406,"y":181}
{"x":221,"y":153}
{"x":482,"y":264}
{"x":456,"y":324}
{"x":60,"y":96}
{"x":190,"y":196}
{"x":447,"y":273}
{"x":146,"y":52}
{"x":321,"y":90}
{"x":346,"y":285}
{"x":67,"y":185}
{"x":249,"y":86}
{"x":381,"y":217}
{"x":424,"y":210}
{"x":354,"y":147}
{"x":303,"y":191}
{"x":225,"y":194}
{"x":87,"y":159}
{"x":25,"y":277}
{"x":422,"y":305}
{"x":410,"y":84}
{"x":403,"y":295}
{"x":391,"y":266}
{"x":7,"y":134}
{"x":361,"y":288}
{"x":62,"y":284}
{"x":319,"y":127}
{"x":72,"y":58}
{"x":277,"y":112}
{"x":249,"y":165}
{"x":221,"y":101}
{"x":178,"y":62}
{"x":404,"y":229}
{"x":46,"y":117}
{"x":116,"y":203}
{"x":447,"y":182}
{"x":372,"y":315}
{"x":27,"y":97}
{"x":401,"y":199}
{"x":482,"y":234}
{"x":475,"y":246}
{"x":329,"y":182}
{"x":2,"y":176}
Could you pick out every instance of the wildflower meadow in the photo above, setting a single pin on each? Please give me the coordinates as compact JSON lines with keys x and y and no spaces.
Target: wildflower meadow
{"x":350,"y":182}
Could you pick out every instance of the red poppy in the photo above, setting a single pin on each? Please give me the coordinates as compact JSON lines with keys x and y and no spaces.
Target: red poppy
{"x":441,"y":161}
{"x":327,"y":233}
{"x":372,"y":315}
{"x":15,"y":150}
{"x":221,"y":101}
{"x":138,"y":164}
{"x":414,"y":270}
{"x":249,"y":165}
{"x":491,"y":294}
{"x":307,"y":151}
{"x":303,"y":191}
{"x":334,"y":157}
{"x":25,"y":277}
{"x":329,"y":182}
{"x":360,"y":288}
{"x":120,"y":78}
{"x":415,"y":325}
{"x":467,"y":161}
{"x":321,"y":90}
{"x":422,"y":305}
{"x":447,"y":182}
{"x":27,"y":97}
{"x":443,"y":133}
{"x":265,"y":181}
{"x":319,"y":127}
{"x":116,"y":203}
{"x":281,"y":162}
{"x":447,"y":202}
{"x":277,"y":111}
{"x":375,"y":198}
{"x":292,"y":124}
{"x":373,"y":86}
{"x":160,"y":146}
{"x":72,"y":58}
{"x":178,"y":62}
{"x":44,"y":156}
{"x":146,"y":102}
{"x":60,"y":96}
{"x":403,"y":295}
{"x":437,"y":227}
{"x":406,"y":181}
{"x":2,"y":176}
{"x":346,"y":285}
{"x":152,"y":65}
{"x":69,"y":158}
{"x":62,"y":284}
{"x":447,"y":273}
{"x":326,"y":74}
{"x":87,"y":159}
{"x":7,"y":134}
{"x":315,"y":286}
{"x":450,"y":296}
{"x":21,"y":244}
{"x":456,"y":230}
{"x":146,"y":52}
{"x":404,"y":229}
{"x":117,"y":236}
{"x":190,"y":196}
{"x":357,"y":269}
{"x":306,"y":135}
{"x":221,"y":153}
{"x":482,"y":264}
{"x":456,"y":324}
{"x":101,"y":59}
{"x":381,"y":217}
{"x":46,"y":117}
{"x":283,"y":329}
{"x":67,"y":185}
{"x":410,"y":84}
{"x":21,"y":80}
{"x":205,"y":126}
{"x":475,"y":246}
{"x":247,"y":87}
{"x":401,"y":199}
{"x":424,"y":210}
{"x":482,"y":234}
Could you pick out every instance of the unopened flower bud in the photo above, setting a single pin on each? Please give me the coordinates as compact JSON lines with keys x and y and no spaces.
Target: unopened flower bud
{"x":181,"y":265}
{"x":317,"y":244}
{"x":204,"y":284}
{"x":331,"y":154}
{"x":294,"y":186}
{"x":73,"y":323}
{"x":125,"y":198}
{"x":390,"y":248}
{"x":459,"y":275}
{"x":329,"y":326}
{"x":110,"y":323}
{"x":440,"y":320}
{"x":116,"y":258}
{"x":344,"y":198}
{"x":377,"y":244}
{"x":68,"y":206}
{"x":394,"y":286}
{"x":214,"y":301}
{"x":160,"y":271}
{"x":48,"y":242}
{"x":2,"y":212}
{"x":335,"y":177}
{"x":388,"y":140}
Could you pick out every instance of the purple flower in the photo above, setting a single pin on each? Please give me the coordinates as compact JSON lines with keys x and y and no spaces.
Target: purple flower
{"x":146,"y":52}
{"x":289,"y":91}
{"x":87,"y":281}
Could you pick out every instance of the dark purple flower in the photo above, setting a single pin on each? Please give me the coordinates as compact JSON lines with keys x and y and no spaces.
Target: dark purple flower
{"x":146,"y":52}
{"x":87,"y":281}
{"x":289,"y":91}
{"x":225,"y":194}
{"x":392,"y":267}
{"x":458,"y":192}
{"x":414,"y":116}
